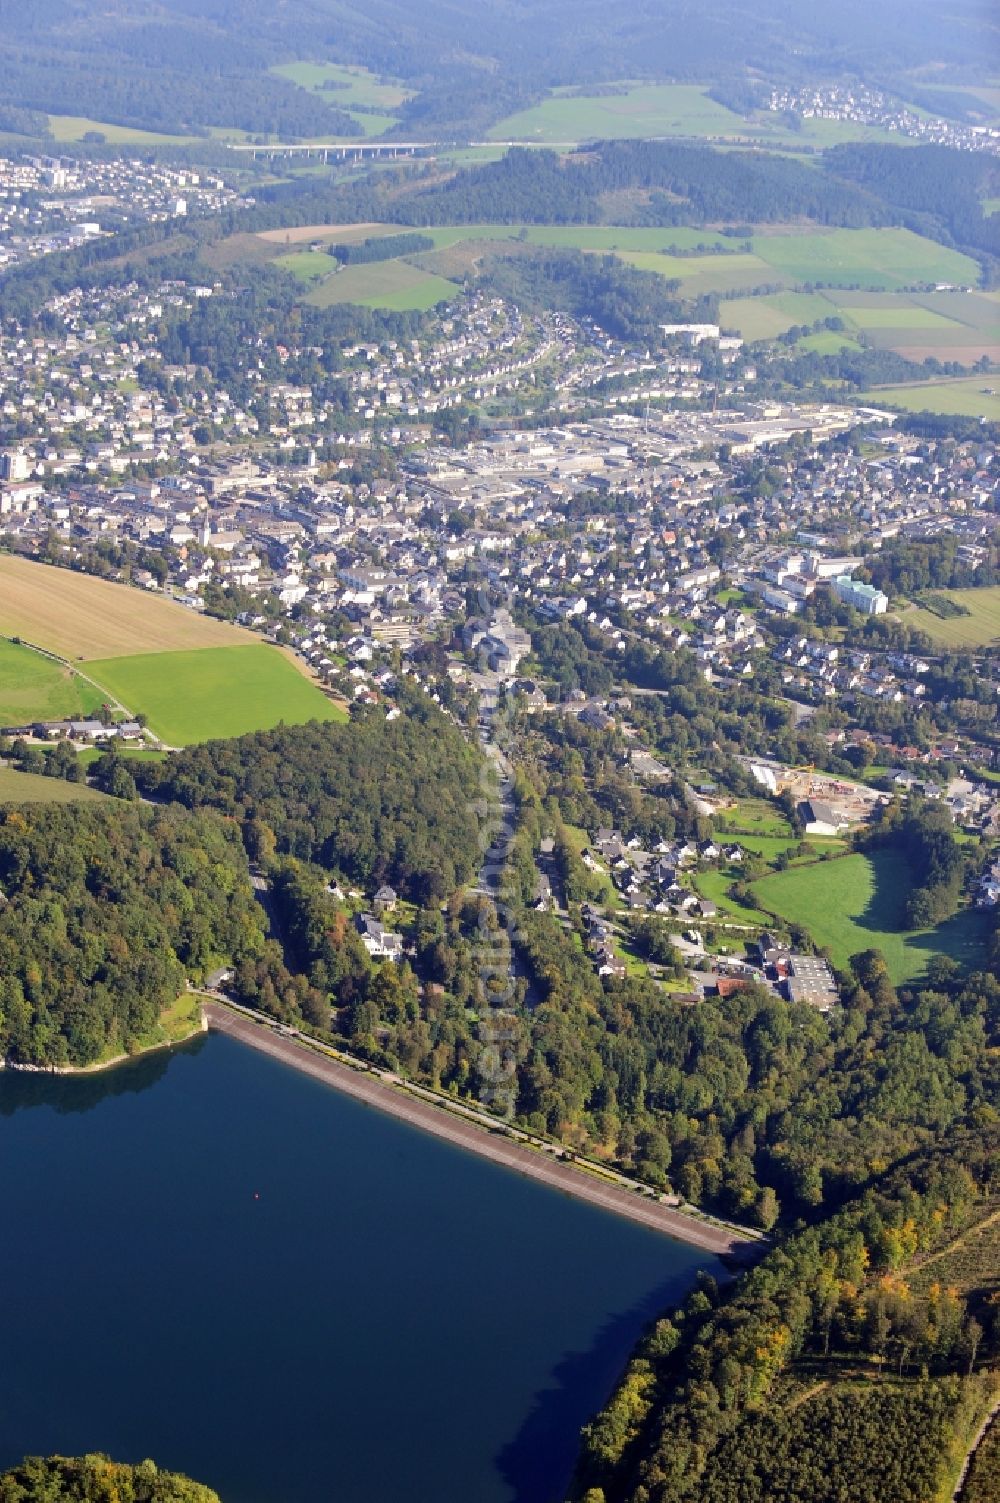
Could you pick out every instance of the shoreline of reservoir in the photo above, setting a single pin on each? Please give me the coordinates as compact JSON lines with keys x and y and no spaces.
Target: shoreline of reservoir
{"x":67,"y":1072}
{"x":422,"y":1111}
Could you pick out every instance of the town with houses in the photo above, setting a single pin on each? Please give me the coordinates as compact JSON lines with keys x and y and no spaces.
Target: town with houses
{"x":50,"y":203}
{"x":871,"y":107}
{"x":654,"y":499}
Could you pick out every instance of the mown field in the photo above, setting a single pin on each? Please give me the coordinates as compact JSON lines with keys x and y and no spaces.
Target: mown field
{"x":298,"y":234}
{"x":980,"y":628}
{"x":33,"y":687}
{"x":855,"y":902}
{"x":958,"y":326}
{"x":970,"y":396}
{"x":681,"y":110}
{"x":352,"y":85}
{"x":396,"y":285}
{"x":80,"y":617}
{"x":68,"y":128}
{"x":32,"y":788}
{"x":755,"y":816}
{"x":215,"y":692}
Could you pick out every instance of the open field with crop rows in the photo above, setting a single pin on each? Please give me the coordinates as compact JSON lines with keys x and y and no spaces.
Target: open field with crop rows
{"x":80,"y":617}
{"x":980,"y":628}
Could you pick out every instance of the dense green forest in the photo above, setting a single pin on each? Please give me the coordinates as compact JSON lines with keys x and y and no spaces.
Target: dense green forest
{"x":925,"y":834}
{"x":834,"y":1370}
{"x":381,"y":248}
{"x":684,"y":184}
{"x":939,"y":191}
{"x":906,"y":566}
{"x":184,"y":98}
{"x":375,"y":801}
{"x":674,"y":184}
{"x":70,"y":53}
{"x":106,"y":912}
{"x":96,"y":1479}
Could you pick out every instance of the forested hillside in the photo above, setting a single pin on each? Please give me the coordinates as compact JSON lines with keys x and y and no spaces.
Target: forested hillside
{"x":167,"y":63}
{"x":838,"y":1369}
{"x":377,"y":802}
{"x":106,"y":911}
{"x":684,"y":184}
{"x":96,"y":1479}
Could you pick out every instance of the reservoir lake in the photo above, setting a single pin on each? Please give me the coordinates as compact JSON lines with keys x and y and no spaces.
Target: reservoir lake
{"x":212,"y":1260}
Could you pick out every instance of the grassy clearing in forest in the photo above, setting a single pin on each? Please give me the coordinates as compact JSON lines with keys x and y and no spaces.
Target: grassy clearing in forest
{"x":855,"y":902}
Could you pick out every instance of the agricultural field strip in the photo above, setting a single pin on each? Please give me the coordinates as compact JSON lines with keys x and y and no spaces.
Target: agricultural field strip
{"x":34,"y":686}
{"x":79,"y":617}
{"x":198,"y":695}
{"x":980,"y":628}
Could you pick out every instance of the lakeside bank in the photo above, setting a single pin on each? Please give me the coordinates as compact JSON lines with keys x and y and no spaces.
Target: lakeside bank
{"x":198,"y":1026}
{"x":494,"y":1143}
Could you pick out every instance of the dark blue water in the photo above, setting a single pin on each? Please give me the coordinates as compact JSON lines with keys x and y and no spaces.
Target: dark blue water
{"x":212,"y":1260}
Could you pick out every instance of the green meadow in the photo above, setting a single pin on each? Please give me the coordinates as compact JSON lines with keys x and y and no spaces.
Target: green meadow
{"x":827,"y":342}
{"x":344,"y":88}
{"x":396,"y":285}
{"x":630,"y":109}
{"x":33,"y":788}
{"x":352,"y":85}
{"x":307,"y":266}
{"x":74,"y":127}
{"x":980,"y":628}
{"x":214,"y":691}
{"x":33,"y":687}
{"x":641,"y":110}
{"x":855,"y":902}
{"x":767,"y":317}
{"x":884,"y":259}
{"x":971,"y":396}
{"x":738,"y":272}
